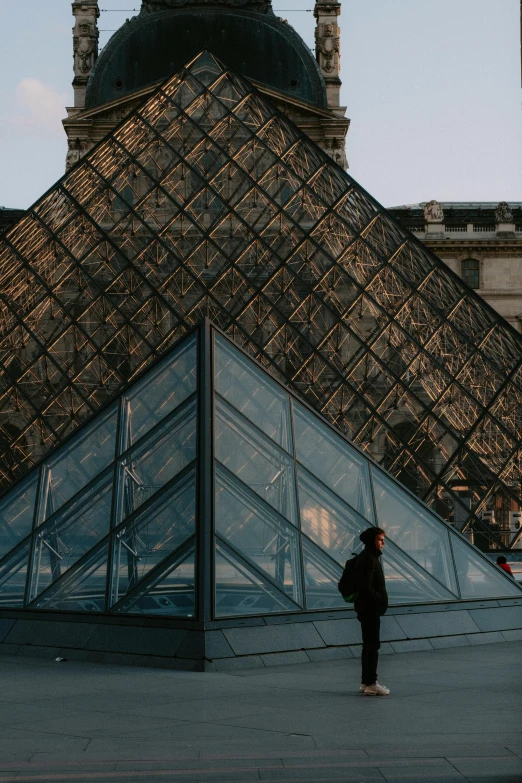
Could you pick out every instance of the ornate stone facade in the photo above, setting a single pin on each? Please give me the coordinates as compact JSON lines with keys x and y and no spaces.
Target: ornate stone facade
{"x":327,"y":126}
{"x":472,"y":241}
{"x":85,"y":45}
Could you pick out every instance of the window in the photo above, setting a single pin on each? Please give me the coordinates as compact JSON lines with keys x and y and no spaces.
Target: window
{"x":470,"y":272}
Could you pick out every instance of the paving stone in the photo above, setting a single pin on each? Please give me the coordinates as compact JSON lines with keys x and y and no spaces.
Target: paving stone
{"x":330,"y":653}
{"x":503,"y":618}
{"x":418,"y":626}
{"x":276,"y":638}
{"x":281,"y":659}
{"x":235,"y":664}
{"x":485,"y":638}
{"x":512,"y":636}
{"x":216,"y":645}
{"x":439,"y":643}
{"x":411,"y":645}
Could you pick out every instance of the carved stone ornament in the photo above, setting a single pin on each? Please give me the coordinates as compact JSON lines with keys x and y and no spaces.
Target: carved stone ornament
{"x":327,"y":47}
{"x":433,"y":212}
{"x":503,"y":214}
{"x":250,"y":5}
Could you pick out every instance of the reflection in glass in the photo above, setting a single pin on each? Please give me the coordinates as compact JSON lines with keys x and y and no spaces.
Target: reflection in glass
{"x":13,"y":572}
{"x":152,"y":535}
{"x":414,"y":529}
{"x":477,"y":578}
{"x":406,"y":583}
{"x":84,"y":457}
{"x":255,"y":460}
{"x":70,"y":534}
{"x":82,"y":589}
{"x":332,"y":460}
{"x":321,"y":578}
{"x":241,"y":591}
{"x":253,"y":394}
{"x":261,"y":536}
{"x":16,"y":514}
{"x":329,"y":522}
{"x":151,"y":464}
{"x":160,"y":392}
{"x":171,"y":592}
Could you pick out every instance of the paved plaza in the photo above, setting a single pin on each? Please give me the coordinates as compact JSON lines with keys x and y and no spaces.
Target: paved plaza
{"x":454,"y":715}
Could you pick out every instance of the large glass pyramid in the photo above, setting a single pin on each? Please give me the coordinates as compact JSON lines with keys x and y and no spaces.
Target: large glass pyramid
{"x":208,"y":202}
{"x":206,"y":490}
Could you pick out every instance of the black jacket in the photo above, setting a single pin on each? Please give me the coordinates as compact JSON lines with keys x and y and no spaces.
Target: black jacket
{"x":372,"y":597}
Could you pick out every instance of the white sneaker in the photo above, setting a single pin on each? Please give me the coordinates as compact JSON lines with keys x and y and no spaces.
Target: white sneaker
{"x":376,"y":690}
{"x":362,"y":688}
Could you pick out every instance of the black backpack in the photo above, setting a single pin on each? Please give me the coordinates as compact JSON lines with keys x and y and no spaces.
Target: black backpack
{"x":348,"y":583}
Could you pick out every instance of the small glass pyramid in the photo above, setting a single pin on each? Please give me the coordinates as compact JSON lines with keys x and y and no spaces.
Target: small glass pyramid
{"x":209,"y":491}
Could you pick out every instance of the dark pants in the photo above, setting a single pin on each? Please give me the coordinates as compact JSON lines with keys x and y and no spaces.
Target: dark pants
{"x":370,"y":627}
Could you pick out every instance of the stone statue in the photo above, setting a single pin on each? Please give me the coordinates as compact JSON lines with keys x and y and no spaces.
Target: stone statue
{"x":503,"y":214}
{"x":433,"y":212}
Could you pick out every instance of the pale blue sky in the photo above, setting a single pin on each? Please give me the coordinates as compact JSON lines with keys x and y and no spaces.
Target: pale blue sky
{"x":432,"y":88}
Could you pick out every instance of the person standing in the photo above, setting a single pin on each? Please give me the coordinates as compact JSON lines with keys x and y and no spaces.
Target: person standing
{"x":370,"y":604}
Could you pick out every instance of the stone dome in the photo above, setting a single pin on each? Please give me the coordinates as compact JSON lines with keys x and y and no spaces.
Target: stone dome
{"x":153,"y":46}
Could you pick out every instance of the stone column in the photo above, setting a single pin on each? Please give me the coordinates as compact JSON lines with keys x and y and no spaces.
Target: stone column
{"x":85,"y":46}
{"x":327,"y":48}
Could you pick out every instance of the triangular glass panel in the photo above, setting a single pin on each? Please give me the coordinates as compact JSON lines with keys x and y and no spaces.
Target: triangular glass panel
{"x":413,"y":529}
{"x":69,"y":534}
{"x":13,"y":575}
{"x":322,"y":575}
{"x":333,"y":461}
{"x":84,"y":457}
{"x":169,"y":591}
{"x":262,"y":537}
{"x":82,"y":589}
{"x":146,"y":539}
{"x":330,"y":523}
{"x":151,"y":464}
{"x":478,"y":578}
{"x":160,"y":392}
{"x":241,"y":590}
{"x":252,"y":393}
{"x":408,"y":584}
{"x":16,"y":514}
{"x":256,"y":461}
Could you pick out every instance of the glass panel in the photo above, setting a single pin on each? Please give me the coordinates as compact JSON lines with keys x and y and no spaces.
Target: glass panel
{"x":152,"y":536}
{"x":241,"y":591}
{"x":255,"y":460}
{"x":414,"y":529}
{"x":408,"y":584}
{"x":329,"y":522}
{"x":160,"y":392}
{"x":260,"y":535}
{"x":79,"y":462}
{"x":250,"y":391}
{"x":70,"y":534}
{"x":16,"y":514}
{"x":82,"y":589}
{"x":321,"y":578}
{"x":477,"y":577}
{"x":332,"y":460}
{"x":13,"y":572}
{"x":171,"y":592}
{"x":152,"y":464}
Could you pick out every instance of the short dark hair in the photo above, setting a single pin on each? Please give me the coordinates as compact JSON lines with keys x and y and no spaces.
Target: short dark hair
{"x":501,"y":560}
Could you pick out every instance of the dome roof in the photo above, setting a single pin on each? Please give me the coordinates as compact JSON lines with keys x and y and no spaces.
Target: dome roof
{"x":153,"y":46}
